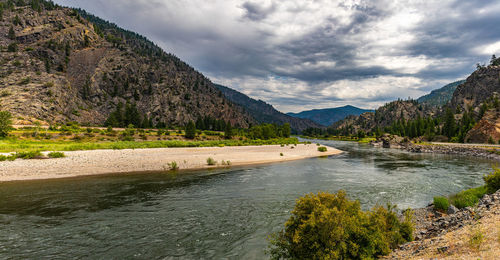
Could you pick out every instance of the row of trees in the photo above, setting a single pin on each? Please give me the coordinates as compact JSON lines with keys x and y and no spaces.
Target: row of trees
{"x":124,"y":116}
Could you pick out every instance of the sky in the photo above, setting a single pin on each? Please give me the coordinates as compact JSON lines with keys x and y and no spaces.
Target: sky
{"x":305,"y":54}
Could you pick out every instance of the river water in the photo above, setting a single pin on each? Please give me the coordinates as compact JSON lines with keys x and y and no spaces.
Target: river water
{"x":222,"y":214}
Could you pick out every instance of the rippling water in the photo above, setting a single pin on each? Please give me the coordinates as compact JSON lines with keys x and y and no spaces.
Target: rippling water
{"x":212,"y":214}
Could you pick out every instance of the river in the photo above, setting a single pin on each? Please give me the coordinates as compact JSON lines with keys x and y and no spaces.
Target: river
{"x":221,"y":214}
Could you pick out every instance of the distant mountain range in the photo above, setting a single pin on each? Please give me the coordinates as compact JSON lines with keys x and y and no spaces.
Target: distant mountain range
{"x":328,"y":116}
{"x":441,"y":96}
{"x":265,"y":113}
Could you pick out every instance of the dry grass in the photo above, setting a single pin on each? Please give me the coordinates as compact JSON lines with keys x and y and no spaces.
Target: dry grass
{"x":478,"y":241}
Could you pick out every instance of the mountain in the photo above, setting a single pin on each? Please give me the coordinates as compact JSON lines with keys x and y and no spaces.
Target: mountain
{"x":329,"y":116}
{"x":441,"y":96}
{"x":400,"y":110}
{"x":61,"y":64}
{"x":265,"y":113}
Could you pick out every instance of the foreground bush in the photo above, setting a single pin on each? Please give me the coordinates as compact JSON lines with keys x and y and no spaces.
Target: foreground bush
{"x":330,"y":226}
{"x":441,"y":203}
{"x":492,"y":181}
{"x":322,"y":149}
{"x":56,"y":155}
{"x":468,"y":198}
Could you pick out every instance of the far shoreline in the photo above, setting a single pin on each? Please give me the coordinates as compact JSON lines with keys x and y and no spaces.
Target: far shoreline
{"x":115,"y":162}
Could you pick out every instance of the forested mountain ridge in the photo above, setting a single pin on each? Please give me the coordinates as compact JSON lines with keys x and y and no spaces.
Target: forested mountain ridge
{"x":441,"y":96}
{"x":264,"y":112}
{"x":471,"y":115}
{"x":329,"y":116}
{"x":61,"y":64}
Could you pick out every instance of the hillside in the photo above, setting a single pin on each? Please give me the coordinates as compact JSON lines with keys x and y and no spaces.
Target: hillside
{"x":441,"y":96}
{"x":263,"y":112}
{"x":329,"y":116}
{"x":400,"y":110}
{"x":60,"y":64}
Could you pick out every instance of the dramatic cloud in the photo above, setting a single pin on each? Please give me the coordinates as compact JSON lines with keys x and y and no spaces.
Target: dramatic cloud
{"x":302,"y":54}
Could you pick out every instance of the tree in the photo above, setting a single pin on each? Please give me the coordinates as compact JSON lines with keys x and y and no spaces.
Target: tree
{"x":190,"y":130}
{"x":12,"y":33}
{"x":228,"y":132}
{"x":5,"y":123}
{"x":286,"y":130}
{"x":449,"y":127}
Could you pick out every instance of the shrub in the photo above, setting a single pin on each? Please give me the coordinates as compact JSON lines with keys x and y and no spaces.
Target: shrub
{"x":322,"y":149}
{"x":56,"y":155}
{"x":476,"y":237}
{"x":330,"y":226}
{"x":441,"y":203}
{"x":211,"y":161}
{"x":28,"y":155}
{"x":173,"y":166}
{"x":492,"y":181}
{"x":468,"y":198}
{"x":5,"y":123}
{"x":190,"y":130}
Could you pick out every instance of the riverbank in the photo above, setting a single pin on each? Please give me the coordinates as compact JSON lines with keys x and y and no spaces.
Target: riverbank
{"x":81,"y":163}
{"x":476,"y":150}
{"x":469,"y":233}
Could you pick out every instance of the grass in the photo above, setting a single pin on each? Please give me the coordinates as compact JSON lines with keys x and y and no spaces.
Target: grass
{"x":468,"y":198}
{"x":17,"y":145}
{"x":322,"y":149}
{"x":211,"y":161}
{"x":441,"y":203}
{"x":56,"y":155}
{"x":476,"y":237}
{"x":173,"y":166}
{"x":28,"y":155}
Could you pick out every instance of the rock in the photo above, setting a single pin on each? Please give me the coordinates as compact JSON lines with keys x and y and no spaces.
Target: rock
{"x":452,"y":210}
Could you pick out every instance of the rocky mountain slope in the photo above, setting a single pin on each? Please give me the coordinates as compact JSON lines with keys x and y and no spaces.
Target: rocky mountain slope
{"x":329,"y":116}
{"x":441,"y":96}
{"x":60,"y":64}
{"x":382,"y":117}
{"x":265,"y":113}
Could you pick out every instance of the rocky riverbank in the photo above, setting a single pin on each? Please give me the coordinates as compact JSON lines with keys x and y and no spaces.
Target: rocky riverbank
{"x":396,"y":142}
{"x":451,"y":235}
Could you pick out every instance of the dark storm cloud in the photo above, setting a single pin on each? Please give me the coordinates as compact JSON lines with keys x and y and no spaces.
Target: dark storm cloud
{"x":256,"y":12}
{"x":298,"y":54}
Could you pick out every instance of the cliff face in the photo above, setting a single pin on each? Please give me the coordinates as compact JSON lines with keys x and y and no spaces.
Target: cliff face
{"x":57,"y":66}
{"x":480,"y":86}
{"x":265,"y":113}
{"x":441,"y":96}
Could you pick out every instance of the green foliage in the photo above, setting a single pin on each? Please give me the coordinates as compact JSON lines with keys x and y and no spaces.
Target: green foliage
{"x":190,"y":130}
{"x":322,"y":149}
{"x":173,"y":166}
{"x":56,"y":155}
{"x":441,"y":203}
{"x":449,"y":124}
{"x":5,"y":123}
{"x":12,"y":47}
{"x":28,"y":155}
{"x":468,"y":198}
{"x":330,"y":226}
{"x":492,"y":181}
{"x":12,"y":33}
{"x":228,"y":132}
{"x":211,"y":161}
{"x":124,"y":116}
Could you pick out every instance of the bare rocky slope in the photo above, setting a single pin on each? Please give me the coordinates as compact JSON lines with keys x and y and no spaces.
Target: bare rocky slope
{"x":57,"y":66}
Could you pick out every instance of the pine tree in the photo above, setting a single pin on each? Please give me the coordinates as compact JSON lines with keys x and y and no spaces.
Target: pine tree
{"x":190,"y":131}
{"x":449,"y":127}
{"x":12,"y":33}
{"x":228,"y":132}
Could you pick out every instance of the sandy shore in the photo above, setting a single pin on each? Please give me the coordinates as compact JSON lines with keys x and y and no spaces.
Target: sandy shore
{"x":81,"y":163}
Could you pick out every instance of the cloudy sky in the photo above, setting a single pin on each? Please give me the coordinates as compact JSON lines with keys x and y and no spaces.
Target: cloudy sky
{"x":304,"y":54}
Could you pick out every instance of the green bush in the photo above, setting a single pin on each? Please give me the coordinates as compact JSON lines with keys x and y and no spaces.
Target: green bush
{"x":322,"y":149}
{"x":441,"y":203}
{"x":56,"y":155}
{"x":173,"y":166}
{"x":468,"y":198}
{"x":28,"y":155}
{"x":5,"y":123}
{"x":211,"y":161}
{"x":492,"y":181}
{"x":330,"y":226}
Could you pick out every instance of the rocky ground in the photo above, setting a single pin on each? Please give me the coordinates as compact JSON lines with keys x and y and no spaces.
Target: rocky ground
{"x":469,"y":233}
